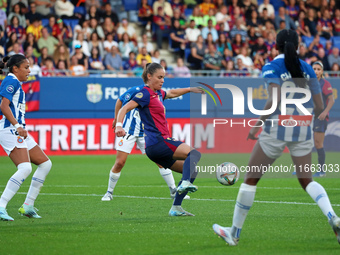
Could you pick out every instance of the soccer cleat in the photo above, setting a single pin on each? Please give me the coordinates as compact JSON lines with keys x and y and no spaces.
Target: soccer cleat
{"x":107,"y":196}
{"x":4,"y":215}
{"x":29,"y":211}
{"x":225,"y":233}
{"x":177,"y":210}
{"x":335,"y":224}
{"x":186,"y":186}
{"x":319,"y":174}
{"x":173,"y":194}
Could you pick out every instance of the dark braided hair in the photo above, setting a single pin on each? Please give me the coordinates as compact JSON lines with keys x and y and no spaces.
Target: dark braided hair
{"x":150,"y":68}
{"x":12,"y":61}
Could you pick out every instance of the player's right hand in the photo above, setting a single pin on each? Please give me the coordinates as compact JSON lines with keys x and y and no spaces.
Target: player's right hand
{"x":119,"y":131}
{"x":252,"y":133}
{"x":22,"y":132}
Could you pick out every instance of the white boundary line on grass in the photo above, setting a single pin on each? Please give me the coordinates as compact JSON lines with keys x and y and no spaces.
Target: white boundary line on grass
{"x":168,"y":198}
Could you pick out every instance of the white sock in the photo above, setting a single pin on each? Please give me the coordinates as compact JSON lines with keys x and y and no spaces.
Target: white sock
{"x":244,"y":201}
{"x":14,"y":183}
{"x":168,"y":178}
{"x":319,"y":195}
{"x":113,"y":179}
{"x":38,"y":181}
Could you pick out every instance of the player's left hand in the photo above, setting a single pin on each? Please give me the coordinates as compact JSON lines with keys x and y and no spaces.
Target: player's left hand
{"x":197,"y":90}
{"x":322,"y":116}
{"x":252,"y":133}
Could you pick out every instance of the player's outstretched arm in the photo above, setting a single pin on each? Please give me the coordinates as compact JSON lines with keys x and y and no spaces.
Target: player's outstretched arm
{"x":120,"y":117}
{"x":179,"y":92}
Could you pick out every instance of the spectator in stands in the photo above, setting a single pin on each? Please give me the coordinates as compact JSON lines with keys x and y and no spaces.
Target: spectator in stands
{"x":147,"y":44}
{"x":242,"y":70}
{"x":64,"y":9}
{"x":95,"y":42}
{"x":335,"y":69}
{"x":209,"y":39}
{"x":180,"y":70}
{"x":232,"y":6}
{"x":178,"y":4}
{"x":311,"y":21}
{"x":292,"y":10}
{"x":43,"y":56}
{"x":163,"y":24}
{"x":10,"y":42}
{"x":198,"y":50}
{"x":110,"y":14}
{"x":315,"y":45}
{"x":334,"y":57}
{"x":264,"y":18}
{"x":155,"y":58}
{"x":282,"y":16}
{"x":22,"y":3}
{"x":95,"y":60}
{"x":252,"y":37}
{"x":205,"y":6}
{"x":109,"y":43}
{"x":95,"y":3}
{"x":16,"y":11}
{"x":247,"y":6}
{"x":270,"y":41}
{"x":269,"y":7}
{"x":16,"y":28}
{"x":221,"y":43}
{"x":246,"y":60}
{"x":237,"y":29}
{"x":237,"y":44}
{"x":223,"y":17}
{"x":192,"y":32}
{"x":44,"y":7}
{"x":303,"y":53}
{"x":125,"y":46}
{"x":169,"y":72}
{"x":229,"y":70}
{"x":321,"y":56}
{"x":35,"y":29}
{"x":29,"y":53}
{"x":77,"y":69}
{"x":166,"y":6}
{"x":93,"y":13}
{"x":94,"y":27}
{"x":302,"y":6}
{"x":61,"y":69}
{"x":65,"y":36}
{"x":16,"y":49}
{"x":196,"y":16}
{"x":3,"y":19}
{"x":301,"y":28}
{"x":227,"y":54}
{"x":30,"y":41}
{"x":48,"y":70}
{"x":145,"y":14}
{"x":109,"y":28}
{"x":210,"y":29}
{"x":3,"y":5}
{"x":82,"y":27}
{"x":125,"y":27}
{"x":281,"y":26}
{"x":177,"y":16}
{"x":237,"y":14}
{"x":328,"y":47}
{"x":138,"y":70}
{"x":213,"y":59}
{"x":113,"y":61}
{"x":84,"y":45}
{"x":332,"y":7}
{"x":260,"y":48}
{"x":336,"y":23}
{"x":2,"y":41}
{"x":178,"y":38}
{"x":48,"y":41}
{"x":258,"y":63}
{"x":52,"y":27}
{"x":210,"y":16}
{"x":32,"y":14}
{"x":272,"y":54}
{"x":61,"y":53}
{"x":131,"y":63}
{"x":254,"y":21}
{"x":34,"y":68}
{"x":143,"y":55}
{"x":325,"y":26}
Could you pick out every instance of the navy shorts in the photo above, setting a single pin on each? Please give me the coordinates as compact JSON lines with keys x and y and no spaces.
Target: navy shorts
{"x":163,"y":151}
{"x":320,"y":125}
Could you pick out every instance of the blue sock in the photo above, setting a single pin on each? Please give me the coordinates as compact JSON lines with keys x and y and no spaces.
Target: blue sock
{"x":189,"y":166}
{"x":321,"y":157}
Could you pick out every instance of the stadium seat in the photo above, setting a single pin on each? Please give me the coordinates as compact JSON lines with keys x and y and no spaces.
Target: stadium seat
{"x":170,"y":46}
{"x":307,"y":40}
{"x":323,"y":41}
{"x":336,"y":41}
{"x":277,"y":4}
{"x":80,"y":9}
{"x":130,"y":5}
{"x":71,"y":22}
{"x":44,"y":22}
{"x":187,"y":12}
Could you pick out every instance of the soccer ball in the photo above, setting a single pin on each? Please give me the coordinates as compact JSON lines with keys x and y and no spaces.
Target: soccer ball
{"x":227,"y":173}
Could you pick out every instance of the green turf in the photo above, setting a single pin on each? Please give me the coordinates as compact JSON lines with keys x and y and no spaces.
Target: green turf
{"x":75,"y":221}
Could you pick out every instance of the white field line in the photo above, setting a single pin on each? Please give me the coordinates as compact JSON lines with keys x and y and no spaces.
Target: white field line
{"x":168,"y":198}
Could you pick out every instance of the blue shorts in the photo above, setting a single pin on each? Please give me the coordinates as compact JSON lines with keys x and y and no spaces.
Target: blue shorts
{"x":163,"y":151}
{"x":320,"y":125}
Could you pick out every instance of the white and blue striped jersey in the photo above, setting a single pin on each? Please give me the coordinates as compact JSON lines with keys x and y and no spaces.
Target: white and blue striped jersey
{"x":276,"y":72}
{"x":10,"y":88}
{"x":132,"y":123}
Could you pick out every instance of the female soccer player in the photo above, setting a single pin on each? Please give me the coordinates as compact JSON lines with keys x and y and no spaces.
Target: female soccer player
{"x":135,"y":134}
{"x":320,"y":123}
{"x":14,"y":139}
{"x":160,"y":147}
{"x":286,"y":70}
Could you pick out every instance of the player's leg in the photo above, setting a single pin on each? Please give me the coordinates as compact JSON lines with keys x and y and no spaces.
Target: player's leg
{"x":319,"y":138}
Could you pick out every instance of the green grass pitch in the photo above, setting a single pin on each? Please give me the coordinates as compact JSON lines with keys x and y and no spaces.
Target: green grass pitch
{"x":283,"y":219}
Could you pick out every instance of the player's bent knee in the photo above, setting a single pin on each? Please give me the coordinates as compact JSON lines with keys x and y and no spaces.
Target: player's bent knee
{"x":46,"y":166}
{"x":25,"y":169}
{"x":196,"y":154}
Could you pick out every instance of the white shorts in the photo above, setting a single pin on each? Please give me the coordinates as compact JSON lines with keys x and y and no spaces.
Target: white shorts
{"x":9,"y":140}
{"x":126,"y":143}
{"x":273,"y":147}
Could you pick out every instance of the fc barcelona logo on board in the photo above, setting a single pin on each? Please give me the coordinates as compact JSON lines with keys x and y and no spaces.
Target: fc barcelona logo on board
{"x":94,"y":92}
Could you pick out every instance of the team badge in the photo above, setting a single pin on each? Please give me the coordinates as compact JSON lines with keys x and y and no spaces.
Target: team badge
{"x":127,"y":97}
{"x":139,"y":95}
{"x":120,"y":143}
{"x":20,"y":140}
{"x":94,"y":92}
{"x":10,"y":89}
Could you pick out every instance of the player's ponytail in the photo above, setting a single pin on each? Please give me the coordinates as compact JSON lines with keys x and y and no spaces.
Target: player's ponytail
{"x":150,"y":68}
{"x":287,"y":43}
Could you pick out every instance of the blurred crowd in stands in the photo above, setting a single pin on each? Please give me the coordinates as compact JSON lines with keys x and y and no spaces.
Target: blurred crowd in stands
{"x":226,"y":37}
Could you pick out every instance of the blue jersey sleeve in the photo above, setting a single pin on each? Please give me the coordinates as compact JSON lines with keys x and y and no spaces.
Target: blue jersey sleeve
{"x":163,"y":94}
{"x":142,"y":98}
{"x":313,"y":82}
{"x":270,"y":75}
{"x":8,"y":88}
{"x":130,"y":93}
